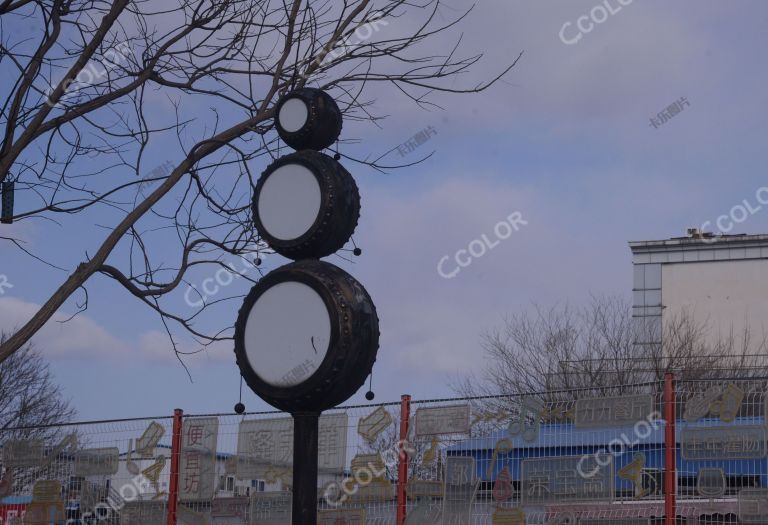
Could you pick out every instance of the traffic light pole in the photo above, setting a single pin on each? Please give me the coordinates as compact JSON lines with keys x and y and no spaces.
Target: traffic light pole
{"x":307,"y":295}
{"x":305,"y":434}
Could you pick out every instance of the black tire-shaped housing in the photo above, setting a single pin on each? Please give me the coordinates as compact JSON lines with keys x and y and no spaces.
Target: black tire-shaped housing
{"x":339,"y":208}
{"x":353,"y":345}
{"x":324,"y":120}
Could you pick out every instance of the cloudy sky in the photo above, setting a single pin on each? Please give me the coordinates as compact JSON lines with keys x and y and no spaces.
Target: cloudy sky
{"x":566,"y":141}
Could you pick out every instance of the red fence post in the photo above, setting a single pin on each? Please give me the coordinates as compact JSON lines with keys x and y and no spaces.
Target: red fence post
{"x":173,"y":491}
{"x":670,"y":451}
{"x":402,"y":470}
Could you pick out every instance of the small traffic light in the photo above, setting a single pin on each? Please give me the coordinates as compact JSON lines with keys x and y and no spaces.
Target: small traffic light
{"x":6,"y":195}
{"x":308,"y":118}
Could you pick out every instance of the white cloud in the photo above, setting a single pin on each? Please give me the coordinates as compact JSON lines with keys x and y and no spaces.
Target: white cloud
{"x":78,"y":338}
{"x":82,"y":338}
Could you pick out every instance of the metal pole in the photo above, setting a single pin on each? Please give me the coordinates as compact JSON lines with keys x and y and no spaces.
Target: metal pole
{"x":402,"y":470}
{"x":305,"y":434}
{"x":173,"y":490}
{"x":670,"y":451}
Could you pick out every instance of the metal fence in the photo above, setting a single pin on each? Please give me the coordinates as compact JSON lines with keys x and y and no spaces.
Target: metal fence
{"x":576,"y":457}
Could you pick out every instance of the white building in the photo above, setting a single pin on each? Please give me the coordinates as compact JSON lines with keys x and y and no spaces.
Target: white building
{"x":718,"y":281}
{"x":226,"y":484}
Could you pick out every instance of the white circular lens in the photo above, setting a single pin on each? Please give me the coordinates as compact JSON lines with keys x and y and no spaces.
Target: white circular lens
{"x":289,"y":202}
{"x":293,"y":115}
{"x":287,"y":334}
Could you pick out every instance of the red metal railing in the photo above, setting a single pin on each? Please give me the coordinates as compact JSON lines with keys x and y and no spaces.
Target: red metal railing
{"x":173,"y":490}
{"x":670,"y":444}
{"x":402,"y":472}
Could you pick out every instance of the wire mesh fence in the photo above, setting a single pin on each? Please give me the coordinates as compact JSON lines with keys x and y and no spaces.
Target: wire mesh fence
{"x":722,"y":470}
{"x":572,"y":457}
{"x":84,"y":473}
{"x":562,"y":457}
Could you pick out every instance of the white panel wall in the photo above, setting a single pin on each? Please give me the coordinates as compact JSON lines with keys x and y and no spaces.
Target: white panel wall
{"x":726,"y":295}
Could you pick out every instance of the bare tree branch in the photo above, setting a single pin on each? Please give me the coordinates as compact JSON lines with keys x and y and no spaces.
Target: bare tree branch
{"x":90,"y":110}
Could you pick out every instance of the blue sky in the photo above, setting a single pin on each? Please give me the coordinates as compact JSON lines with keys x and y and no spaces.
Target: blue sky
{"x":566,"y":141}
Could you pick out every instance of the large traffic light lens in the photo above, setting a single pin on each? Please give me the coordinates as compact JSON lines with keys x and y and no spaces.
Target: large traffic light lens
{"x":289,"y":202}
{"x":287,"y":334}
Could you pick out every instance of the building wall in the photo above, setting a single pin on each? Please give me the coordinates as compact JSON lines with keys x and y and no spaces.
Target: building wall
{"x":726,"y":296}
{"x":720,"y":281}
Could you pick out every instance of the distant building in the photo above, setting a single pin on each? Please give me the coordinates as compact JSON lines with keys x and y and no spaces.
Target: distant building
{"x":225,"y":483}
{"x":719,"y":281}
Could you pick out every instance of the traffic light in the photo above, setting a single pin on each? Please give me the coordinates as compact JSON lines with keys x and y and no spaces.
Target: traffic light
{"x":307,"y":334}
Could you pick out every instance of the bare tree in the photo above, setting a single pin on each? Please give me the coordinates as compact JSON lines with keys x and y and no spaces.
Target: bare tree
{"x":29,"y":395}
{"x":32,"y":406}
{"x":558,"y":354}
{"x":86,"y":114}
